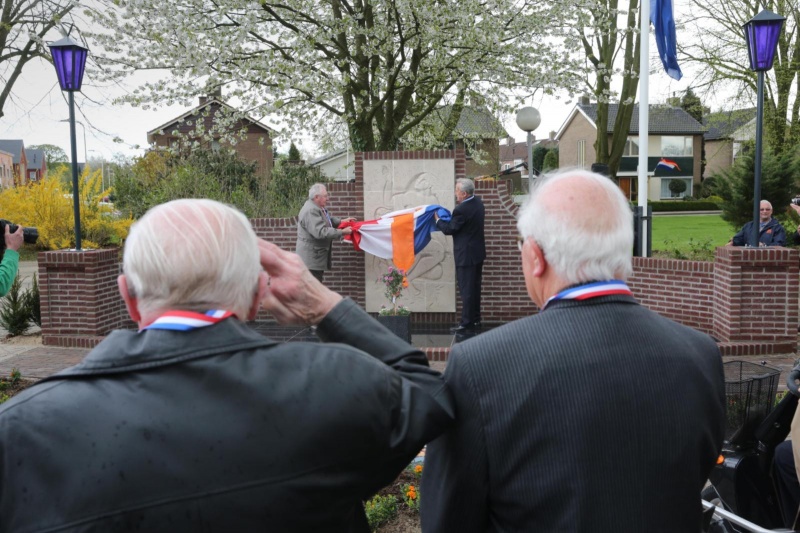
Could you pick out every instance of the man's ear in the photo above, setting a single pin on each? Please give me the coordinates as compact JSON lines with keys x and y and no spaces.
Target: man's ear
{"x":263,"y":279}
{"x":129,"y":298}
{"x":537,"y":259}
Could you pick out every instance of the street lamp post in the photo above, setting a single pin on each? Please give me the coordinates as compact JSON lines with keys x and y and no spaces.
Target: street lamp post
{"x":79,"y":123}
{"x":761,"y":33}
{"x":528,"y":119}
{"x":69,"y":59}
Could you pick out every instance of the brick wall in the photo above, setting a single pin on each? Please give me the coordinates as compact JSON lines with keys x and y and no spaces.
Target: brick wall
{"x":79,"y":298}
{"x":679,"y":290}
{"x":747,"y":299}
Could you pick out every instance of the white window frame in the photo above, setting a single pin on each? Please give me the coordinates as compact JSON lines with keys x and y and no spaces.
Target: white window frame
{"x":581,"y":153}
{"x":688,"y":145}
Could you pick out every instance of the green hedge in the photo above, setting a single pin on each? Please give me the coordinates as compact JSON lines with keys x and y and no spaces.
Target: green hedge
{"x":679,"y":205}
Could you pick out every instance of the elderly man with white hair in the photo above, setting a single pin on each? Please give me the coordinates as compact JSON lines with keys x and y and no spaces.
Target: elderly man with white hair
{"x":197,"y":422}
{"x":316,"y":231}
{"x":595,"y":414}
{"x":770,"y":231}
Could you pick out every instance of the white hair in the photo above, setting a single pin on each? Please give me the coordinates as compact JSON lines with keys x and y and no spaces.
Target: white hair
{"x":766,"y":202}
{"x":316,"y":190}
{"x":192,"y":254}
{"x":467,"y":186}
{"x":583,"y":224}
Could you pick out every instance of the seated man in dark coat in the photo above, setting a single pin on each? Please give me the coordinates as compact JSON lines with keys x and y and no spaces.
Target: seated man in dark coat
{"x":770,"y":232}
{"x":197,"y":422}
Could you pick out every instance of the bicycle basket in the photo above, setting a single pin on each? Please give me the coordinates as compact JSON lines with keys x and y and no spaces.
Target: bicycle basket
{"x":749,"y":395}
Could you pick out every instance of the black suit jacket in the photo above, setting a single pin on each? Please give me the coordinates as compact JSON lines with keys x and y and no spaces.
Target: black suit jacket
{"x":466,"y":227}
{"x":596,"y":416}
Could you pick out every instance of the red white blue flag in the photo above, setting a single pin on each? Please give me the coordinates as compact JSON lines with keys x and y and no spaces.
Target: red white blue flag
{"x":668,"y":163}
{"x":398,"y":235}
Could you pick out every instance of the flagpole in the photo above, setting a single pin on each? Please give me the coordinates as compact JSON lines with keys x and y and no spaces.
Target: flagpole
{"x":644,"y":126}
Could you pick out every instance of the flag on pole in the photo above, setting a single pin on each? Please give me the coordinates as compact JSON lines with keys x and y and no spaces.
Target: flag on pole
{"x":398,"y":235}
{"x":664,"y":24}
{"x":668,"y":163}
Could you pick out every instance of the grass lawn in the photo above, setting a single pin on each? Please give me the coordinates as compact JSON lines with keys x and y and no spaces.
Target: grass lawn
{"x":698,"y":228}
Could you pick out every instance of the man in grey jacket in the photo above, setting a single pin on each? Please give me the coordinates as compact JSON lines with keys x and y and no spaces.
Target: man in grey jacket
{"x":197,"y":422}
{"x":316,"y":231}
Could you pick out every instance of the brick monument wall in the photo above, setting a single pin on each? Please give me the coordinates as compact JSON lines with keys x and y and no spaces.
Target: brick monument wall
{"x":747,"y":299}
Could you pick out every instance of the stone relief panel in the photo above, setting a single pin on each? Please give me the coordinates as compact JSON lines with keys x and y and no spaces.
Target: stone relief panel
{"x":393,"y":185}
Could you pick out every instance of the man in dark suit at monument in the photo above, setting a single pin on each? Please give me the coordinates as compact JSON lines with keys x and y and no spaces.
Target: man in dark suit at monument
{"x":595,"y":414}
{"x":469,"y":250}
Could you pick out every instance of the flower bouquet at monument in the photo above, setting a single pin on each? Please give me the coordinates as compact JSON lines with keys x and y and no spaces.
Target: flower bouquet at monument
{"x":394,"y":282}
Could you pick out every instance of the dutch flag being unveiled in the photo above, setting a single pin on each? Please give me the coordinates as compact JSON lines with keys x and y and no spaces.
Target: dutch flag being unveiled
{"x":398,"y":235}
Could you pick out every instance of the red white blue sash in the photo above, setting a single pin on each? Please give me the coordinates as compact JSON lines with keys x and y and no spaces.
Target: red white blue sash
{"x":592,"y":290}
{"x":188,"y":320}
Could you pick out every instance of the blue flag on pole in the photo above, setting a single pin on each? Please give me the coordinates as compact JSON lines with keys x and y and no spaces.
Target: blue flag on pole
{"x":664,"y":23}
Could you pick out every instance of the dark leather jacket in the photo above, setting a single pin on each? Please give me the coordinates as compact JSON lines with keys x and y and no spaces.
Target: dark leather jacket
{"x":219,"y":429}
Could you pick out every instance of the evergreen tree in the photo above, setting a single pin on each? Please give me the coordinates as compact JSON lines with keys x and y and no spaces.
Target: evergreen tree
{"x":550,"y":160}
{"x":692,"y":104}
{"x":539,"y":152}
{"x":294,"y":153}
{"x":736,"y":184}
{"x":15,"y":315}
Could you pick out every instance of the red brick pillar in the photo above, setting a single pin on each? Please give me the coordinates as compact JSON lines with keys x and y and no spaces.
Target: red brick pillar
{"x":79,"y":297}
{"x":756,"y":295}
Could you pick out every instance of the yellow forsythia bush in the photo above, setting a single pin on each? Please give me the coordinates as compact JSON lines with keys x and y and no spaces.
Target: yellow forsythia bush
{"x":47,"y":205}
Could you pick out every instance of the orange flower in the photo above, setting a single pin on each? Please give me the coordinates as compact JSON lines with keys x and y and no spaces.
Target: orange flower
{"x":418,"y":469}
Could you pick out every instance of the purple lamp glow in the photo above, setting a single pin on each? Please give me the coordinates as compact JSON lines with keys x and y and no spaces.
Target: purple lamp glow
{"x":69,"y":59}
{"x":761,"y":33}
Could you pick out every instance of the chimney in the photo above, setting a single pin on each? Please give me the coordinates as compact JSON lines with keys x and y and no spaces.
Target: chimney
{"x":511,"y":141}
{"x":584,"y":100}
{"x":203,"y":100}
{"x":552,"y":136}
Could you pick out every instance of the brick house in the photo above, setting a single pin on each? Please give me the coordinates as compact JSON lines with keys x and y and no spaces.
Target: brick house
{"x":255,"y":144}
{"x":16,"y":147}
{"x":477,"y":124}
{"x":6,"y":170}
{"x":37,"y":165}
{"x":514,"y":153}
{"x":727,"y":132}
{"x":674,"y":147}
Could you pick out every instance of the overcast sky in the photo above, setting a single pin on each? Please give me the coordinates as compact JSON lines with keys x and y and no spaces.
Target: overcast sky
{"x":37,"y":108}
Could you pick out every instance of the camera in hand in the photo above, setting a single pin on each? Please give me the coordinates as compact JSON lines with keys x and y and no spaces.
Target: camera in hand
{"x":796,"y":201}
{"x":29,"y":235}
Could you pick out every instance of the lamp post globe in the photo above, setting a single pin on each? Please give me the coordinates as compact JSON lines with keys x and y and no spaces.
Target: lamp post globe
{"x":69,"y":59}
{"x":528,"y":119}
{"x":761,"y":34}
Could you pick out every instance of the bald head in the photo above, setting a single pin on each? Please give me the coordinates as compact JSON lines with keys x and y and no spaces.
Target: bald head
{"x":192,"y":255}
{"x":583,"y":224}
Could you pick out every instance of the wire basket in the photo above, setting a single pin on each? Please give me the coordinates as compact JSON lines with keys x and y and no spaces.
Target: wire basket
{"x":749,"y":395}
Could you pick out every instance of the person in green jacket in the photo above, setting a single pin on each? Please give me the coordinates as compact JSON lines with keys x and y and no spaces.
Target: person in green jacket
{"x":10,"y":262}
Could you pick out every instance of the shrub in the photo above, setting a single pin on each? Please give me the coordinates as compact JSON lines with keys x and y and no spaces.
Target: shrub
{"x":550,"y":160}
{"x":380,"y":510}
{"x":47,"y":205}
{"x":33,"y":302}
{"x":159,"y":177}
{"x":698,"y":250}
{"x":288,"y":188}
{"x":695,"y":205}
{"x":676,"y":187}
{"x":15,"y":315}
